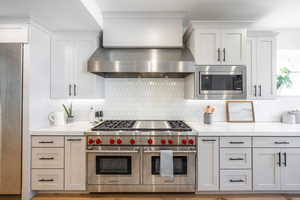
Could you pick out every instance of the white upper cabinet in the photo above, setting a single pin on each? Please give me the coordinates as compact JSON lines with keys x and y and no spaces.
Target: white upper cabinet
{"x":261,"y":65}
{"x":218,"y":46}
{"x":233,"y":46}
{"x":69,"y":75}
{"x":206,"y":49}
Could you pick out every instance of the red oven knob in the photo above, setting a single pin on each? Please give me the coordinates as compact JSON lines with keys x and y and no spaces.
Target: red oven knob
{"x":111,"y":141}
{"x":150,"y":141}
{"x":183,"y":141}
{"x":132,"y":141}
{"x":98,"y":141}
{"x":90,"y":141}
{"x":170,"y":141}
{"x":119,"y":141}
{"x":163,"y":141}
{"x":191,"y":141}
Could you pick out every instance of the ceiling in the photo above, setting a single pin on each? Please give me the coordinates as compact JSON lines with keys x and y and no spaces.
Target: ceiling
{"x":267,"y":13}
{"x":59,"y":15}
{"x":56,"y":15}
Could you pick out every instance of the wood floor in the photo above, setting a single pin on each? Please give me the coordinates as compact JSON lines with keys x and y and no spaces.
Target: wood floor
{"x":163,"y":197}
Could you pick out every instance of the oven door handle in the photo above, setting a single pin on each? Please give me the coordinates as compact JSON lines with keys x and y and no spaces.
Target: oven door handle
{"x":173,"y":151}
{"x":101,"y":151}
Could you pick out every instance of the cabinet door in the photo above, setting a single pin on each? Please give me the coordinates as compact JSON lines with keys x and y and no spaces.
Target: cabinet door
{"x":85,"y":83}
{"x":75,"y":163}
{"x":290,"y":176}
{"x":207,"y":47}
{"x":265,"y":69}
{"x":266,"y":170}
{"x":208,"y":164}
{"x":251,"y":66}
{"x":61,"y":68}
{"x":233,"y":47}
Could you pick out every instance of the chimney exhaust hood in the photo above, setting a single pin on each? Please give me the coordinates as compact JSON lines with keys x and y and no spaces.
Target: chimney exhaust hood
{"x":142,"y":62}
{"x":148,"y":45}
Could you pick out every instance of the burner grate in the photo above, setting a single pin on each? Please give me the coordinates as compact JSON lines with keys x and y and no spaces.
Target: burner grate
{"x":176,"y":124}
{"x":115,"y":125}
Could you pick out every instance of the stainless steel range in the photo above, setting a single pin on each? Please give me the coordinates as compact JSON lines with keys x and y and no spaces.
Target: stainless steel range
{"x":124,"y":156}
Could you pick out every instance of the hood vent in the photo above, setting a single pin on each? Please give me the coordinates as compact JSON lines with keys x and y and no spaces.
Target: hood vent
{"x":140,"y":62}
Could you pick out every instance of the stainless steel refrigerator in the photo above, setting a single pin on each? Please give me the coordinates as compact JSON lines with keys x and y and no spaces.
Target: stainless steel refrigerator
{"x":11,"y":65}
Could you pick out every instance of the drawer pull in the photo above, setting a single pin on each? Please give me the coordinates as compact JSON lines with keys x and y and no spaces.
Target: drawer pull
{"x":43,"y":158}
{"x":236,"y":158}
{"x":281,"y":142}
{"x":114,"y":181}
{"x":236,"y":142}
{"x":46,"y":142}
{"x":209,"y":140}
{"x":236,"y":181}
{"x":74,"y":140}
{"x":46,"y":180}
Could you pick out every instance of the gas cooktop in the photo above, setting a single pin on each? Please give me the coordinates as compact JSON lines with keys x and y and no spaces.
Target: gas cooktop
{"x":142,"y":125}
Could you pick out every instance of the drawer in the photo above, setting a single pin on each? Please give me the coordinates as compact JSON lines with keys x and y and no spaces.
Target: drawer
{"x":47,"y":157}
{"x":47,"y":179}
{"x":47,"y":141}
{"x":276,"y":142}
{"x":235,"y":180}
{"x":235,"y":142}
{"x":235,"y":158}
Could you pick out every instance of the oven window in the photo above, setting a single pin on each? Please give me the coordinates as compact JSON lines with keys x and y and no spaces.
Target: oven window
{"x":179,"y":164}
{"x":221,"y":82}
{"x":113,"y":165}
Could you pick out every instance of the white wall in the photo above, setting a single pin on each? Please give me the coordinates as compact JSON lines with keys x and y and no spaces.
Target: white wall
{"x":40,"y":104}
{"x":288,"y":39}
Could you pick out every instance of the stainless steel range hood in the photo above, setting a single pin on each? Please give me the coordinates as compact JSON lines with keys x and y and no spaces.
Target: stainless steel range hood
{"x":140,"y":62}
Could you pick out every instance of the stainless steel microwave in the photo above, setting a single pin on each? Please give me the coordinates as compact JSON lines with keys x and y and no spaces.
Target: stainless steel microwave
{"x":217,"y":82}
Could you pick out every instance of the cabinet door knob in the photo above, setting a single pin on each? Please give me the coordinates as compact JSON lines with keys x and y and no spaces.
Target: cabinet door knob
{"x":219,"y":54}
{"x":255,"y":90}
{"x":224,"y":54}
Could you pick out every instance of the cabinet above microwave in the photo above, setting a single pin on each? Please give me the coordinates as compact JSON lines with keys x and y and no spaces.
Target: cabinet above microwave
{"x":217,"y":82}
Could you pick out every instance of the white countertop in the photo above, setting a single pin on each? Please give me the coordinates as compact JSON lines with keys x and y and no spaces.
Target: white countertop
{"x":216,"y":129}
{"x":76,"y":128}
{"x":246,"y":129}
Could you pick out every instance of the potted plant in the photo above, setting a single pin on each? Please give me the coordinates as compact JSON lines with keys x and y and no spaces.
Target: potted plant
{"x":284,"y":79}
{"x":69,"y":113}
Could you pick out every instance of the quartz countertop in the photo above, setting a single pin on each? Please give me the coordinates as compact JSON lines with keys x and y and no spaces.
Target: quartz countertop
{"x":75,"y":128}
{"x":246,"y":129}
{"x":215,"y":129}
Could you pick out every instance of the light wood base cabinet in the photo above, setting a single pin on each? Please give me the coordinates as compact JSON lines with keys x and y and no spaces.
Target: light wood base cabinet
{"x":208,"y":164}
{"x":276,"y":169}
{"x":58,"y":163}
{"x":75,"y":163}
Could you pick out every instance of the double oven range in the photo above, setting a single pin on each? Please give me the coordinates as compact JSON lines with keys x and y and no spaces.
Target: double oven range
{"x":124,"y":156}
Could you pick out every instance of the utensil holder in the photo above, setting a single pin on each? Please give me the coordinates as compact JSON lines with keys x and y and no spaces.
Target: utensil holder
{"x":208,"y":118}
